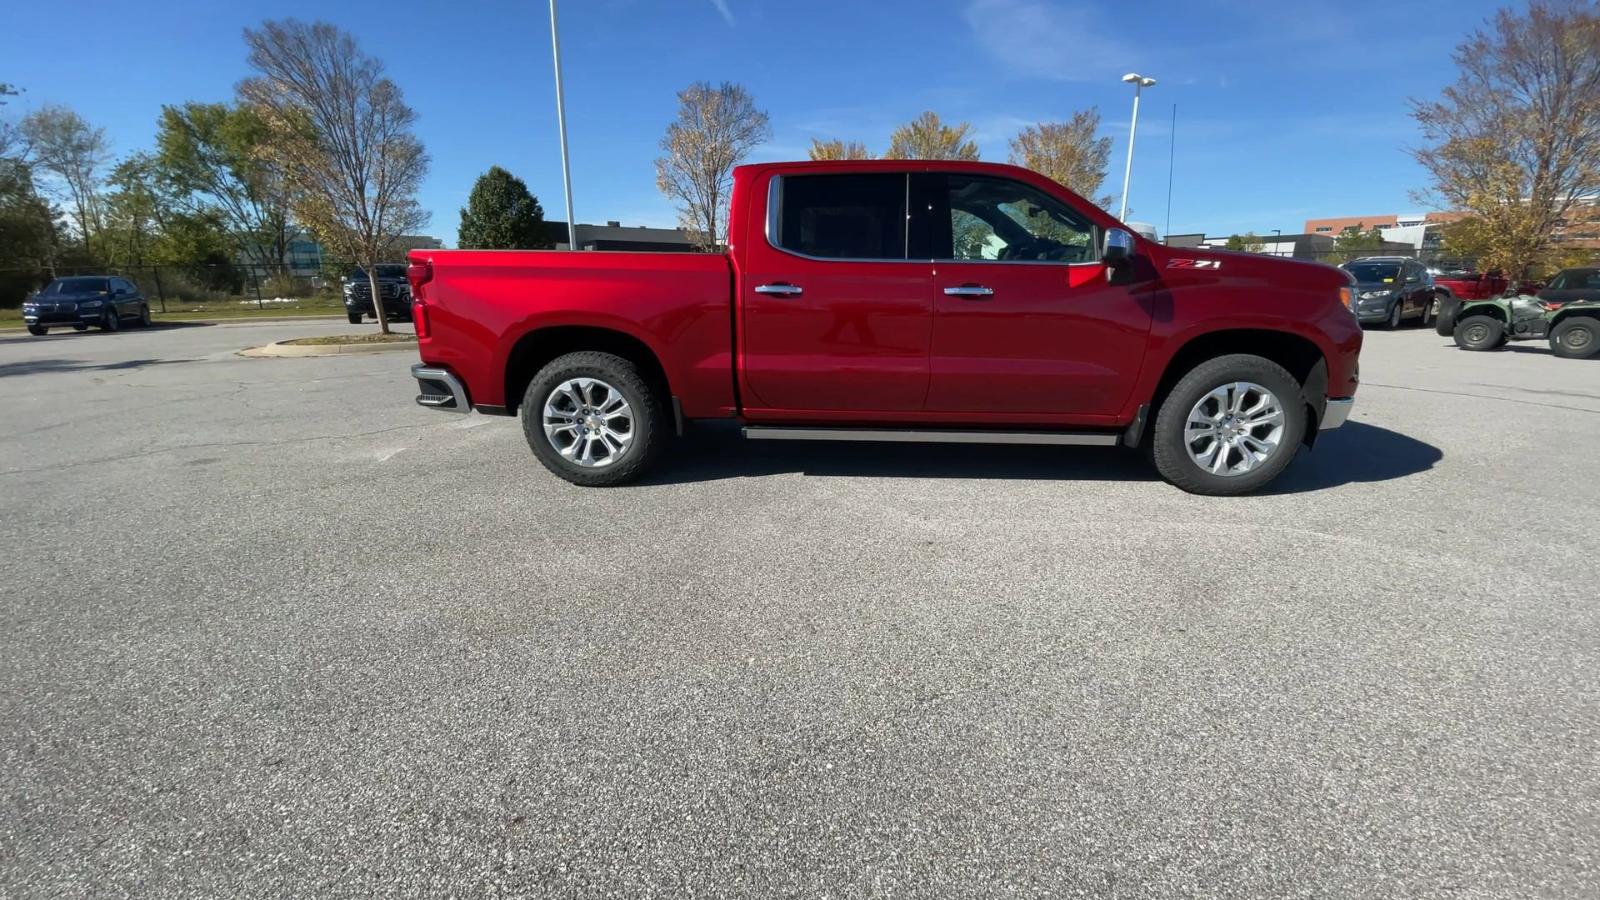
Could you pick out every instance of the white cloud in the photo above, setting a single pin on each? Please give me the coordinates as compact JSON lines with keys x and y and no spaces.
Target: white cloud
{"x":722,"y":8}
{"x":1062,"y":42}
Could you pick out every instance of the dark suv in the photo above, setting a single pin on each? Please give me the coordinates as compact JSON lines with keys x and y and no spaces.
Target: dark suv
{"x":392,"y":287}
{"x":105,"y":301}
{"x":1390,"y":289}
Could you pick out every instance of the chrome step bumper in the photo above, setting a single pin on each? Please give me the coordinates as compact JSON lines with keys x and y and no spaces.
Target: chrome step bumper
{"x":441,"y":389}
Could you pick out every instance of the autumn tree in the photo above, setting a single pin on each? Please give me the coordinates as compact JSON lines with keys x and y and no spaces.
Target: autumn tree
{"x":74,"y":154}
{"x":341,"y":136}
{"x":217,"y":159}
{"x":1071,"y":153}
{"x":1353,"y":243}
{"x":501,"y":214}
{"x":837,"y":149}
{"x":1515,"y":141}
{"x":926,"y":137}
{"x":715,"y":130}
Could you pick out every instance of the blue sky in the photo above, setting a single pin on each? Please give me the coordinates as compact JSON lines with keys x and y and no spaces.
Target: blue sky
{"x":1285,"y":110}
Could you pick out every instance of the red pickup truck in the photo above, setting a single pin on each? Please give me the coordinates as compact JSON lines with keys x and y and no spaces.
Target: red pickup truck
{"x":893,"y":300}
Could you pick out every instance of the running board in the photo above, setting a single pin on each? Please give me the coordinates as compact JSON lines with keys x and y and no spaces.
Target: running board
{"x":938,"y":436}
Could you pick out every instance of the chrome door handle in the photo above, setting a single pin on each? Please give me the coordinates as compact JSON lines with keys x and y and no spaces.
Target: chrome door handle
{"x":779,"y":289}
{"x":969,"y":290}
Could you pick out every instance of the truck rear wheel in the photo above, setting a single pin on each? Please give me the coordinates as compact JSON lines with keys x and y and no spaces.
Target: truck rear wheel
{"x":593,"y":419}
{"x":1479,"y":333}
{"x":1229,"y":426}
{"x":1576,"y":338}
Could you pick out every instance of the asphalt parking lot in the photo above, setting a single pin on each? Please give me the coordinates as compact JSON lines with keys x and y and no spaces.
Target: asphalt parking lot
{"x":273,"y":630}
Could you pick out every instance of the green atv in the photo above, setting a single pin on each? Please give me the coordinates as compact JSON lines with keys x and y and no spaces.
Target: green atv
{"x":1573,"y":328}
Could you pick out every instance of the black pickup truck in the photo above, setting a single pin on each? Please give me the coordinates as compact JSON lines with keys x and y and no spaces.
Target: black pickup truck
{"x":392,"y":287}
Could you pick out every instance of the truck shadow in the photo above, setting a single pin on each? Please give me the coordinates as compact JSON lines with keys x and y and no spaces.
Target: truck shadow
{"x":713,"y":452}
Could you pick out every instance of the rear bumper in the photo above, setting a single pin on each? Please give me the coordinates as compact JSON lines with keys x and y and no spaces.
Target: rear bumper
{"x":440,"y":389}
{"x":1335,"y":412}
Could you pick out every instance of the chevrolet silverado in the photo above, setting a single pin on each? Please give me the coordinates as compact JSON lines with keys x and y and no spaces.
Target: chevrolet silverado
{"x":896,"y":300}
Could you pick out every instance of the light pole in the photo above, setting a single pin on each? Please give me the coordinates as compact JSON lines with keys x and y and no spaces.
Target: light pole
{"x":1277,"y":245}
{"x":1139,"y":83}
{"x":561,"y":126}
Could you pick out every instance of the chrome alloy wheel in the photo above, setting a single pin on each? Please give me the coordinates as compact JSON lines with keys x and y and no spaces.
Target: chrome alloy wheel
{"x":1234,"y":428}
{"x":588,"y":422}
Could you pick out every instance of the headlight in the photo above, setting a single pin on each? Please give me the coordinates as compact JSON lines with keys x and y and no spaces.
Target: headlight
{"x":1375,"y":295}
{"x":91,"y":304}
{"x":348,"y":288}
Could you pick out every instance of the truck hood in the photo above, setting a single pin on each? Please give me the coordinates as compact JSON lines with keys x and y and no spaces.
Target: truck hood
{"x":1185,"y":264}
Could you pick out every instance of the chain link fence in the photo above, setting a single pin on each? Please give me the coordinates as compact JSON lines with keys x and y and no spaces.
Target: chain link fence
{"x":203,"y":287}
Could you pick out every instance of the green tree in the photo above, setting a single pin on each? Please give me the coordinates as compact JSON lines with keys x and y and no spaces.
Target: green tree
{"x":28,"y":233}
{"x":1247,"y":242}
{"x":501,"y":214}
{"x":1068,"y":152}
{"x":1516,"y":139}
{"x":135,"y":210}
{"x":927,"y":137}
{"x":1354,"y":243}
{"x":215,"y":158}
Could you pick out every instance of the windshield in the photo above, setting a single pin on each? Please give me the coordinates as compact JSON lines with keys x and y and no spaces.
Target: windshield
{"x":1576,"y":280}
{"x":76,"y":286}
{"x":385,"y":270}
{"x":1371,"y":272}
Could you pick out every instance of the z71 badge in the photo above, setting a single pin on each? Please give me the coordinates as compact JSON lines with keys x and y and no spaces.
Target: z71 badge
{"x":1195,"y":264}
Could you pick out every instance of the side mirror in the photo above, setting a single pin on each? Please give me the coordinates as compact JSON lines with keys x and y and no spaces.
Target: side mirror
{"x":1118,"y":250}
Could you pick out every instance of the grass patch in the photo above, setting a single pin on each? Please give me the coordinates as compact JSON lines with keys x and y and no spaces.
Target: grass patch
{"x":377,"y":337}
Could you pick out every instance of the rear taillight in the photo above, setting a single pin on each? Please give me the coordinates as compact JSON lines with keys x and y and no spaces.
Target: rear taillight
{"x":419,"y":318}
{"x":1347,"y":296}
{"x":419,"y":274}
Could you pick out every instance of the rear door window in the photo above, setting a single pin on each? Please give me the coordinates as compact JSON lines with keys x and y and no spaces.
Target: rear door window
{"x":859,"y":216}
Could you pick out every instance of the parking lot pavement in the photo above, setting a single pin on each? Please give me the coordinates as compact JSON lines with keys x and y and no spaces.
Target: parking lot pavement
{"x":273,"y":630}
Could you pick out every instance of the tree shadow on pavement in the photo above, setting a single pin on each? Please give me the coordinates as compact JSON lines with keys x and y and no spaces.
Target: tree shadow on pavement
{"x":713,"y":452}
{"x":38,"y":366}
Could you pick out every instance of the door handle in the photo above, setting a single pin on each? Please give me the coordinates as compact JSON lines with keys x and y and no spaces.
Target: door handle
{"x":969,"y":290}
{"x":779,"y":289}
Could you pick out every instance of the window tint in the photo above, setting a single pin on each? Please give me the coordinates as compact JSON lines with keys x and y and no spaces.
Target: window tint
{"x":76,"y":286}
{"x":1008,"y":221}
{"x":844,"y":216}
{"x":1576,"y":280}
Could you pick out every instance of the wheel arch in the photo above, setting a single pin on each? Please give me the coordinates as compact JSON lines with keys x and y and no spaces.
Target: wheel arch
{"x":539,"y":346}
{"x":1299,"y":355}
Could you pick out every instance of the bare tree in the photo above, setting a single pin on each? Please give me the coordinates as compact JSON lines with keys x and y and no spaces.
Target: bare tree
{"x":341,"y":136}
{"x":837,"y":149}
{"x":74,"y":154}
{"x":1516,"y":140}
{"x":1069,"y":152}
{"x":715,"y":129}
{"x":926,"y":137}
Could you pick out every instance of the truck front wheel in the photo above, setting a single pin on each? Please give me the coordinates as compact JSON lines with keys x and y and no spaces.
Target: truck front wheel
{"x":593,"y":419}
{"x":1229,"y":426}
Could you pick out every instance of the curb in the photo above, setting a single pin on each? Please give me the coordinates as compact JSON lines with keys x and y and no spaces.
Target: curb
{"x":226,"y":320}
{"x":284,"y":350}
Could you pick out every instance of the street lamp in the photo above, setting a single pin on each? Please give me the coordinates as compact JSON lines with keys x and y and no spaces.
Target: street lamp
{"x":1277,"y":242}
{"x":1139,"y":83}
{"x":561,"y":126}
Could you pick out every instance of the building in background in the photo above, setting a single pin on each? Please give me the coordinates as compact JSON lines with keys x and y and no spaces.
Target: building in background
{"x":616,"y":236}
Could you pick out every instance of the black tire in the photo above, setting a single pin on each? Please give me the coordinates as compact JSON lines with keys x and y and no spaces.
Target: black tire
{"x":1576,"y":338}
{"x":355,"y":318}
{"x":1395,"y":314}
{"x":1480,"y":333}
{"x":1429,"y":309}
{"x":1167,"y":445}
{"x":144,"y":316}
{"x":1449,"y":307}
{"x":649,"y":427}
{"x":112,"y":321}
{"x":38,"y":330}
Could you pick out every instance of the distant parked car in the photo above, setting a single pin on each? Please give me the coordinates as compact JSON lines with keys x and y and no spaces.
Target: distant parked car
{"x":105,"y":301}
{"x":392,"y":287}
{"x":1466,"y":284}
{"x":1390,"y":289}
{"x":1572,"y":286}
